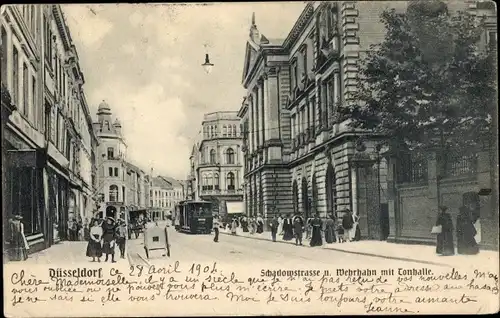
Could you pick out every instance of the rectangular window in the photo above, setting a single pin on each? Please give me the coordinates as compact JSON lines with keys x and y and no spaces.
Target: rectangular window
{"x":34,"y":108}
{"x":492,"y":40}
{"x":24,"y":109}
{"x":110,"y":170}
{"x":15,"y":77}
{"x":116,"y":172}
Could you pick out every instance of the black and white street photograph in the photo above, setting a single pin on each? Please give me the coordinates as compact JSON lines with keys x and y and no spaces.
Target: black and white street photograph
{"x":346,"y":148}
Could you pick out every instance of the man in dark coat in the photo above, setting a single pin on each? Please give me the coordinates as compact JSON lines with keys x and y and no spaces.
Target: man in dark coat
{"x":274,"y":227}
{"x":298,"y":224}
{"x":109,"y":238}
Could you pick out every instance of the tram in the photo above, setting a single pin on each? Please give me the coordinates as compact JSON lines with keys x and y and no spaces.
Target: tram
{"x":193,"y":217}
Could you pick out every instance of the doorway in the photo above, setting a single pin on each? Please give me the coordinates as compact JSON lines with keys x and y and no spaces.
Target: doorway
{"x":111,"y":212}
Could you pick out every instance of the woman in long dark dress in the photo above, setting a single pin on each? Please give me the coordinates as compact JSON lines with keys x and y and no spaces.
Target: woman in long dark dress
{"x":260,"y":224}
{"x":444,"y":245}
{"x":94,"y":248}
{"x":466,"y":243}
{"x":330,"y":230}
{"x":316,"y":239}
{"x":288,"y":229}
{"x":244,"y":224}
{"x":109,"y":239}
{"x":18,"y":243}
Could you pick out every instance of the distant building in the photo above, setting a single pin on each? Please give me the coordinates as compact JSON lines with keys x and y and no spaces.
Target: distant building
{"x":217,"y":163}
{"x":111,"y":164}
{"x":165,"y":193}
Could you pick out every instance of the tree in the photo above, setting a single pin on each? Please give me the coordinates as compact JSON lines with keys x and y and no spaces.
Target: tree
{"x":427,"y":85}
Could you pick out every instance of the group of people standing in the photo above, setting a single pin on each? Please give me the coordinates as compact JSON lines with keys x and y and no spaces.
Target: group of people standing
{"x":104,"y":236}
{"x":468,"y":231}
{"x":248,"y":225}
{"x":294,"y":227}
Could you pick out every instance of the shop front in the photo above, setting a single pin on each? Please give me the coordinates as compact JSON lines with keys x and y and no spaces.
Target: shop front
{"x":23,"y":187}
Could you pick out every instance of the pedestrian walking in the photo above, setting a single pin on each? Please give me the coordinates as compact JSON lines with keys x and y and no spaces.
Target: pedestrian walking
{"x":94,"y":247}
{"x":274,"y":225}
{"x":466,"y":232}
{"x":308,"y":228}
{"x":444,"y":224}
{"x":86,"y":230}
{"x":288,"y":228}
{"x":216,"y":225}
{"x":244,"y":224}
{"x":18,"y":244}
{"x":253,"y":225}
{"x":109,"y":239}
{"x":330,"y":230}
{"x":317,"y":224}
{"x":348,"y":224}
{"x":72,"y":229}
{"x":280,"y":224}
{"x":260,"y":224}
{"x":234,"y":226}
{"x":298,"y":225}
{"x":121,"y":238}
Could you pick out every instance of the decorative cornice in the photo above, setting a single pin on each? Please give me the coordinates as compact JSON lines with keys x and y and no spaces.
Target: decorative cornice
{"x":299,"y":25}
{"x":62,"y":27}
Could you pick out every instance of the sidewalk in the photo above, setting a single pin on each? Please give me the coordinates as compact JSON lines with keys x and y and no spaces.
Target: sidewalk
{"x":423,"y":254}
{"x":67,"y":252}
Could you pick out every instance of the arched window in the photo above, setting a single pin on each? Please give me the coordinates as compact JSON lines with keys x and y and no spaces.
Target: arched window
{"x":4,"y":56}
{"x":230,"y":156}
{"x":111,"y":153}
{"x":113,"y":193}
{"x":230,"y":131}
{"x":212,"y":156}
{"x":216,"y":181}
{"x":210,"y":185}
{"x":331,"y":191}
{"x":295,"y":195}
{"x":234,"y":131}
{"x":305,"y":198}
{"x":224,"y":131}
{"x":230,"y":181}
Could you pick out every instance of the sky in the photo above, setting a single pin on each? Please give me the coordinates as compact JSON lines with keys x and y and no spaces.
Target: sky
{"x":145,"y":62}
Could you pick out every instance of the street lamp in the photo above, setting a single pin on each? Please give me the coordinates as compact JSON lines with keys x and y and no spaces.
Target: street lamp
{"x":207,"y":66}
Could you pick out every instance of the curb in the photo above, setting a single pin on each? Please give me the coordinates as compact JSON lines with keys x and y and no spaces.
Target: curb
{"x":353,"y":252}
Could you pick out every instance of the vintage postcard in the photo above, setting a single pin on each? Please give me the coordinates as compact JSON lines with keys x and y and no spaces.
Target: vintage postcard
{"x":250,"y":158}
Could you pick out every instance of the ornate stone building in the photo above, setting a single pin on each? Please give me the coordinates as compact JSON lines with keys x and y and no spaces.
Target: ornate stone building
{"x":217,"y":161}
{"x":299,"y":158}
{"x":111,"y":163}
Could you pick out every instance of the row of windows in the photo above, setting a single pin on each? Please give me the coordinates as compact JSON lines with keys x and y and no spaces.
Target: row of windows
{"x":210,"y":182}
{"x":229,"y":157}
{"x":227,"y":131}
{"x":165,"y":194}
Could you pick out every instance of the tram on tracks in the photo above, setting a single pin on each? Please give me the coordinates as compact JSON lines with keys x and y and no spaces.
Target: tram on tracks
{"x":193,"y":217}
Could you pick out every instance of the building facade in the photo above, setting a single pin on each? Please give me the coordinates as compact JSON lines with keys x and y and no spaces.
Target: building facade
{"x":111,"y":164}
{"x":136,"y":197}
{"x":165,"y":193}
{"x":218,"y":161}
{"x":299,"y":158}
{"x":45,"y":181}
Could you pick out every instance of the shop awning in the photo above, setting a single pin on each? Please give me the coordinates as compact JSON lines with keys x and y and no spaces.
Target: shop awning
{"x":235,"y":207}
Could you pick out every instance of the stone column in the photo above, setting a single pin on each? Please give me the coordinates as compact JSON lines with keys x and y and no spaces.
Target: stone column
{"x":262,"y":114}
{"x":255,"y":101}
{"x":267,"y":110}
{"x":251,"y":126}
{"x":273,"y":133}
{"x":258,"y":95}
{"x":391,"y":199}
